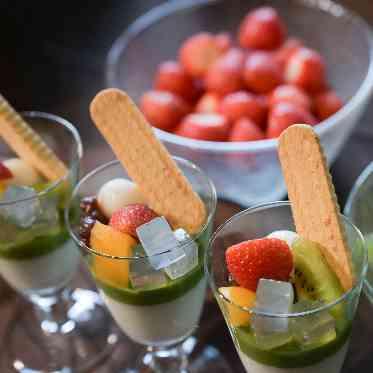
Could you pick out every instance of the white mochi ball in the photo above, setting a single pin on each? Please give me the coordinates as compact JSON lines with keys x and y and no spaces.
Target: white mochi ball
{"x":116,"y":194}
{"x":288,"y":236}
{"x":23,"y":173}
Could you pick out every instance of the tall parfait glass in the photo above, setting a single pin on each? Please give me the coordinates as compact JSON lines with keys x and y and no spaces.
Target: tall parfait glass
{"x":317,"y":338}
{"x":38,"y":259}
{"x":151,"y":308}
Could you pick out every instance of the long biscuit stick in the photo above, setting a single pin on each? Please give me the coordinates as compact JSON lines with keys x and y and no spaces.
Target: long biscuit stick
{"x":27,"y":144}
{"x":146,"y":160}
{"x":312,"y":196}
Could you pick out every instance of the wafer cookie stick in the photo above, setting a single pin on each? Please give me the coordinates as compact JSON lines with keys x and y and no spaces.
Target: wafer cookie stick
{"x":146,"y":160}
{"x":312,"y":196}
{"x":27,"y":144}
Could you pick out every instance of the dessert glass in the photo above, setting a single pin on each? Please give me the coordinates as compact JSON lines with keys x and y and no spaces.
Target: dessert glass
{"x":38,"y":259}
{"x":359,"y":208}
{"x":328,"y":357}
{"x":160,"y":317}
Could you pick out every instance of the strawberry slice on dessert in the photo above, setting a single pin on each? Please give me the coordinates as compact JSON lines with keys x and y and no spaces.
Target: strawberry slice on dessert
{"x":130,"y":217}
{"x":5,"y":173}
{"x":268,"y":258}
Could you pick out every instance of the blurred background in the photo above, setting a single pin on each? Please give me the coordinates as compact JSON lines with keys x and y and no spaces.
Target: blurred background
{"x":53,"y":59}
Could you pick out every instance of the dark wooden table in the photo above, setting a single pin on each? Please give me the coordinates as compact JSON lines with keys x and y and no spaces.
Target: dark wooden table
{"x":52,"y":59}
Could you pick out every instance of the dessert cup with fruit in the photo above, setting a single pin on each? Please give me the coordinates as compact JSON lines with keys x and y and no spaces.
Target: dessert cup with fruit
{"x":284,"y":305}
{"x":288,"y":275}
{"x":37,"y":256}
{"x":235,"y":74}
{"x":359,"y":208}
{"x":145,"y":221}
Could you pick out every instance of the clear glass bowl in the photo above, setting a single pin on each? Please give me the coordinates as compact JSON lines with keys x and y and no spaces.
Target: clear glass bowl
{"x":256,"y":354}
{"x":249,"y":172}
{"x":359,"y":208}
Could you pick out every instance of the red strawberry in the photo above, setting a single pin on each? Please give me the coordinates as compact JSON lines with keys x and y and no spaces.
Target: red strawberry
{"x":245,"y":129}
{"x":208,"y":103}
{"x":285,"y":114}
{"x":163,"y":109}
{"x":223,"y":40}
{"x":261,"y":72}
{"x":249,"y":261}
{"x":5,"y":173}
{"x":172,"y":77}
{"x":198,"y":52}
{"x":204,"y":126}
{"x":262,"y":28}
{"x":225,"y":75}
{"x":283,"y":53}
{"x":243,"y":104}
{"x":292,"y":94}
{"x":130,"y":217}
{"x":306,"y":69}
{"x":326,"y":104}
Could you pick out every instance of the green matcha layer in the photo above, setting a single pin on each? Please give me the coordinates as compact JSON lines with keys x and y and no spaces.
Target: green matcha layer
{"x":32,"y":243}
{"x":292,"y":354}
{"x":27,"y":247}
{"x":171,"y":290}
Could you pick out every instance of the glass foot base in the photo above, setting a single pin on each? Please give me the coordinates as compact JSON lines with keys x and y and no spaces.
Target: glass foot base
{"x":81,"y":342}
{"x":185,"y":358}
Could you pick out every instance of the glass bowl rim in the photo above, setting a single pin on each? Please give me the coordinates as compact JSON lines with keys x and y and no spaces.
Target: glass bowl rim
{"x":75,"y":161}
{"x":252,"y":310}
{"x":109,"y":164}
{"x":164,"y":10}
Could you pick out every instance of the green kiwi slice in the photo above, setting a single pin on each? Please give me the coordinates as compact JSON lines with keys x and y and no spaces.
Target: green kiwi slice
{"x":313,"y":279}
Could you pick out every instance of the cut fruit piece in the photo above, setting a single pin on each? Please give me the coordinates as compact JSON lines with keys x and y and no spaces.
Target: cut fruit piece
{"x":313,"y":278}
{"x":22,"y":173}
{"x":109,"y":241}
{"x":5,"y":173}
{"x":240,"y":297}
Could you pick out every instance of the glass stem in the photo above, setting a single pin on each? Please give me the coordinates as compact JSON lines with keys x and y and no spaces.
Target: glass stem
{"x":166,"y":359}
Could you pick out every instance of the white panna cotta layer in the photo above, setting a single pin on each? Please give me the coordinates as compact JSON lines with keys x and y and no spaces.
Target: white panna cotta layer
{"x":51,"y":270}
{"x":160,"y":324}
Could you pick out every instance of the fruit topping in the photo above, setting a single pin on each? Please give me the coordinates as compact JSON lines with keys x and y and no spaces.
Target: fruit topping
{"x":5,"y":173}
{"x":262,"y":28}
{"x":209,"y":127}
{"x":163,"y":109}
{"x":199,"y":52}
{"x":313,"y":278}
{"x":240,"y":297}
{"x":118,"y":193}
{"x":109,"y":241}
{"x":127,"y":219}
{"x":245,"y":129}
{"x":327,"y":104}
{"x":267,"y":258}
{"x":22,"y":173}
{"x":288,"y":236}
{"x":262,"y":73}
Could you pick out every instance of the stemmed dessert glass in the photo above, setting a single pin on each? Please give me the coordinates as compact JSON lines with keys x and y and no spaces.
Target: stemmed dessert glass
{"x":359,"y":208}
{"x":158,"y":314}
{"x":315,"y":341}
{"x":38,"y":259}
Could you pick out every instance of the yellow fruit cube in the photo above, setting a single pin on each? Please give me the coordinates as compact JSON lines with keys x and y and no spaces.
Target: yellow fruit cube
{"x":239,"y":297}
{"x":109,"y":241}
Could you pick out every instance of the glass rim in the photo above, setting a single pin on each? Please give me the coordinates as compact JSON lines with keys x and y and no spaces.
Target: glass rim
{"x":76,"y":159}
{"x":161,"y":11}
{"x":355,"y":188}
{"x":109,"y":164}
{"x":358,"y":283}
